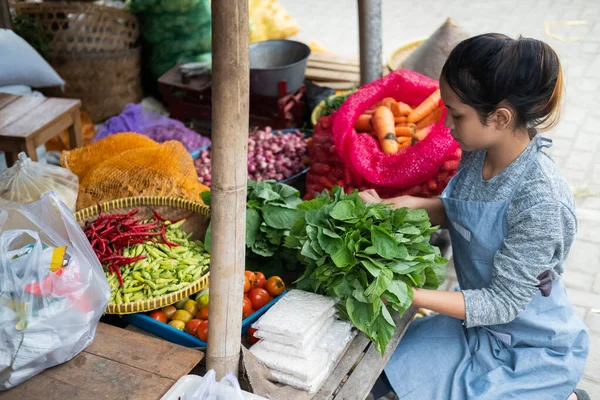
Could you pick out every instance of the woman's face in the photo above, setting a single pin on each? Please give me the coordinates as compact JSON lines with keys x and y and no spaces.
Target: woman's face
{"x":464,"y":123}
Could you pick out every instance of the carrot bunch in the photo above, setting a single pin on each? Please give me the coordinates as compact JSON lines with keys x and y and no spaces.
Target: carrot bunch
{"x":396,"y":125}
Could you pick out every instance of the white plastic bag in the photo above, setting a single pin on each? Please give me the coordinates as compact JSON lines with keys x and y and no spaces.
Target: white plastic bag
{"x":210,"y":389}
{"x":20,"y":64}
{"x":27,"y":181}
{"x":46,"y":317}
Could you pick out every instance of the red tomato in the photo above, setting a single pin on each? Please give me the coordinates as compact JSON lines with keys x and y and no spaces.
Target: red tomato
{"x":259,"y":298}
{"x":247,"y":284}
{"x":260,"y":281}
{"x":202,"y":314}
{"x":253,"y":339}
{"x":275,"y":286}
{"x":192,"y":326}
{"x":203,"y":331}
{"x":247,"y":314}
{"x":251,"y":277}
{"x":159,"y":316}
{"x":247,"y":307}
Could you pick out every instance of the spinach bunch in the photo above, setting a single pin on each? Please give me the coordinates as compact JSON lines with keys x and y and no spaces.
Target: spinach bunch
{"x":271,"y":212}
{"x":363,"y":254}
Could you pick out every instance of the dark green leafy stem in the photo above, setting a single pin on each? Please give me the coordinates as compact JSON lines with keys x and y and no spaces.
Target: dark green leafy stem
{"x":368,"y":256}
{"x":335,"y":102}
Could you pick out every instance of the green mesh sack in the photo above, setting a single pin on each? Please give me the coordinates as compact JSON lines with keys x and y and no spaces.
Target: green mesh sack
{"x":163,"y":6}
{"x":168,"y":27}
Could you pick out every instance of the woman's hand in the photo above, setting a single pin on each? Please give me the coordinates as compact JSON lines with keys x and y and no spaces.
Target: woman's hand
{"x":370,"y":196}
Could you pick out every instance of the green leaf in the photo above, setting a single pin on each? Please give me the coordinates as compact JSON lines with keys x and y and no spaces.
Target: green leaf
{"x":403,"y":267}
{"x":279,"y":217}
{"x":371,"y":267}
{"x":207,"y":239}
{"x":344,"y":211}
{"x":379,"y":285}
{"x":268,"y":195}
{"x":399,"y":293}
{"x":253,"y":221}
{"x":331,"y":233}
{"x":206,"y":197}
{"x":307,"y":251}
{"x":385,"y":330}
{"x":343,"y":257}
{"x":399,"y":215}
{"x":328,"y":243}
{"x":385,"y":244}
{"x":359,"y":313}
{"x":409,"y":230}
{"x":416,"y":216}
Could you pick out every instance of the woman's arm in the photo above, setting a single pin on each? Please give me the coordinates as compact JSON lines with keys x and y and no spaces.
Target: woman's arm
{"x":451,"y":304}
{"x":433,"y":206}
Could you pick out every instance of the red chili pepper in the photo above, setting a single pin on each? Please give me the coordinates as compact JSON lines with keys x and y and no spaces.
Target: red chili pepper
{"x":118,"y":271}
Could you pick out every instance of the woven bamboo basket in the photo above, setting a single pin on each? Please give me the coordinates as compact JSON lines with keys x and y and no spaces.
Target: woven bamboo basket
{"x":402,"y":53}
{"x":167,"y":207}
{"x":94,"y":49}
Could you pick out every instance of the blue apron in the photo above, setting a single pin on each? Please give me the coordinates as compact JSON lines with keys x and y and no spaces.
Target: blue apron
{"x":541,"y":354}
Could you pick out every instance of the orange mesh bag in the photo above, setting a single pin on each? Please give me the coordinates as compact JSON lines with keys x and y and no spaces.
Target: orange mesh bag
{"x":61,"y":142}
{"x":163,"y":170}
{"x":83,"y":160}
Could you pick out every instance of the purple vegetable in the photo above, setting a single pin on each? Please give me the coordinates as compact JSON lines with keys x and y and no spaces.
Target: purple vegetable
{"x":189,"y":138}
{"x":271,"y":155}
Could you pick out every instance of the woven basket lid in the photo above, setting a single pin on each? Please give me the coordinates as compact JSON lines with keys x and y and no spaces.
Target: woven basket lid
{"x":429,"y":58}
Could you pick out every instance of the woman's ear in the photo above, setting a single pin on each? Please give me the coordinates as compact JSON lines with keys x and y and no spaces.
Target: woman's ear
{"x":502,"y":118}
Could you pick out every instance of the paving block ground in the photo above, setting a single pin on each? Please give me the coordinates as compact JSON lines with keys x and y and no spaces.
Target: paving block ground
{"x":576,"y":139}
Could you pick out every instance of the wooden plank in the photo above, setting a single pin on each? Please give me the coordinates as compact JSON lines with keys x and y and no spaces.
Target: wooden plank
{"x":91,"y":377}
{"x":327,"y":75}
{"x":353,"y":354}
{"x":146,"y":353}
{"x":359,"y":384}
{"x":333,"y":67}
{"x":17,"y":109}
{"x":6,"y":99}
{"x":44,"y":387}
{"x":333,"y":59}
{"x":33,"y":122}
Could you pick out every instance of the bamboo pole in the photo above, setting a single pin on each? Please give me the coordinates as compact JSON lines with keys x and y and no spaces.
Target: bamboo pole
{"x":230,"y":114}
{"x":5,"y":15}
{"x":369,"y":35}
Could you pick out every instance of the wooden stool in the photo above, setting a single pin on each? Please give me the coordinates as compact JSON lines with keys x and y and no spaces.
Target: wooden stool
{"x":27,"y":122}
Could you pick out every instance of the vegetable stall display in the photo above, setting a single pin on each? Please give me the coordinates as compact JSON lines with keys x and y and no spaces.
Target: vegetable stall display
{"x":271,"y":155}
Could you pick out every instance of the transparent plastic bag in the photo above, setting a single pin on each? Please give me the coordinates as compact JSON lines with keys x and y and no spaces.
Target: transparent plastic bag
{"x":27,"y":181}
{"x":47,"y":315}
{"x":210,"y":389}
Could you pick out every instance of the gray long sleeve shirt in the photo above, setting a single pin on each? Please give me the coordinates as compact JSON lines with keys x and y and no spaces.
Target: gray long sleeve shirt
{"x":541,"y":228}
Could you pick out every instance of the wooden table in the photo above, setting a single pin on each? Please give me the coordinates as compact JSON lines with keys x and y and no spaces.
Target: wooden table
{"x":27,"y":122}
{"x":119,"y":364}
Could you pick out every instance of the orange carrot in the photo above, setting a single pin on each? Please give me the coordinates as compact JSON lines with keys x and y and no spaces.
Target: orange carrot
{"x":400,"y":120}
{"x":405,"y":130}
{"x":404,"y":141}
{"x":383,"y":124}
{"x":387,"y":102}
{"x":421,"y":134}
{"x":363,"y":123}
{"x":432,"y":118}
{"x":425,"y":108}
{"x":401,"y":109}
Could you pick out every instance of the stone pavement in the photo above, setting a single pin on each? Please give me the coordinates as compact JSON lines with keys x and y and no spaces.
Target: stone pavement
{"x":577,"y":138}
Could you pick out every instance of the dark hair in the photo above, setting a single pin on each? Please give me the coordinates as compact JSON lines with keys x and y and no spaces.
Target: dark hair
{"x":492,"y":70}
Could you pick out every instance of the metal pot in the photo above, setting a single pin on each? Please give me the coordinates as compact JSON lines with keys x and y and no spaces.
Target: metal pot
{"x":275,"y":61}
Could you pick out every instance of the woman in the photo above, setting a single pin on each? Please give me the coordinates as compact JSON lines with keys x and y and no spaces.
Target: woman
{"x":509,"y":331}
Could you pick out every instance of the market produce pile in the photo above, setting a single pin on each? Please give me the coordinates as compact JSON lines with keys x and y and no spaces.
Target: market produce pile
{"x":271,"y":155}
{"x":363,"y":254}
{"x":191,"y":315}
{"x":145,"y":258}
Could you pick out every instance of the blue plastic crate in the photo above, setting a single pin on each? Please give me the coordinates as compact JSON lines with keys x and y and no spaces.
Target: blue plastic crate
{"x":165,"y":331}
